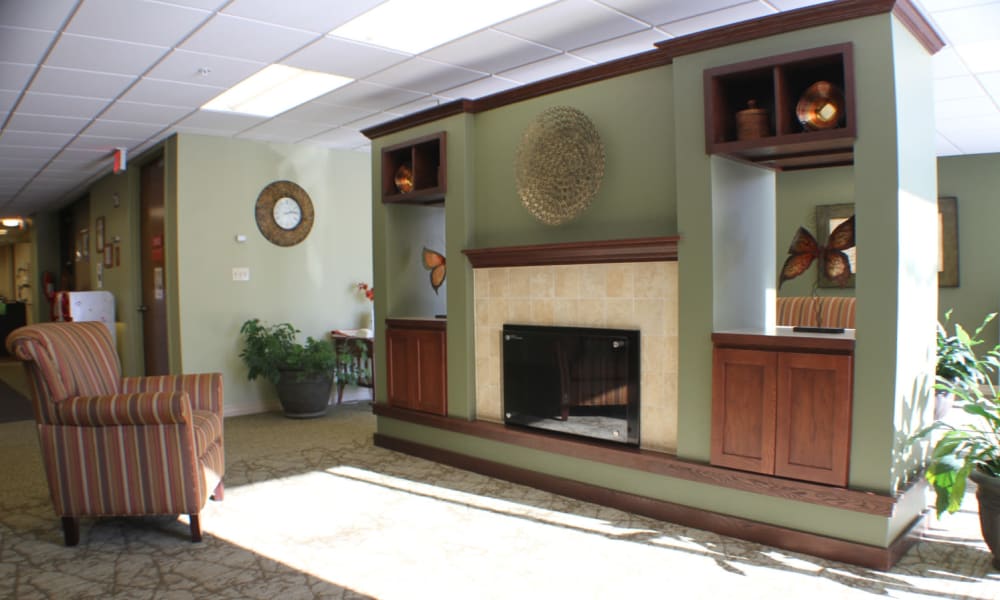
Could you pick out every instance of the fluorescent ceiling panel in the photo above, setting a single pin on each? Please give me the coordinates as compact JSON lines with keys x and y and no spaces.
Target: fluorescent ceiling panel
{"x":417,"y":25}
{"x":274,"y":90}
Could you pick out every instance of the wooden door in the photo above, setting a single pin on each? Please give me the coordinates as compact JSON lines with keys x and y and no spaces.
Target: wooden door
{"x":813,"y":435}
{"x":154,"y":291}
{"x":743,"y":409}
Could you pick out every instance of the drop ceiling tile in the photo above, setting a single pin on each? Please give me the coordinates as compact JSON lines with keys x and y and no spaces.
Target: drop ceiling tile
{"x":326,"y":114}
{"x":14,"y":76}
{"x":37,"y":103}
{"x":344,"y":57}
{"x":219,"y":122}
{"x":571,"y":24}
{"x":372,"y":120}
{"x":16,"y":172}
{"x":311,"y":15}
{"x":16,"y":151}
{"x":154,"y":114}
{"x":107,"y":56}
{"x":46,"y":123}
{"x":7,"y":100}
{"x":171,"y":93}
{"x":543,"y":69}
{"x":963,"y":108}
{"x":362,"y":94}
{"x":991,"y":82}
{"x":971,"y":24}
{"x":340,"y":138}
{"x":980,"y":57}
{"x":624,"y":46}
{"x":490,"y":51}
{"x":48,"y":15}
{"x":794,"y":4}
{"x":102,"y":144}
{"x":147,"y":22}
{"x":282,"y":130}
{"x":248,"y":40}
{"x":658,"y":11}
{"x":425,"y":76}
{"x":939,"y":5}
{"x":24,"y":163}
{"x":719,"y":18}
{"x":72,"y":82}
{"x":483,"y":87}
{"x":222,"y":71}
{"x":211,"y":5}
{"x":34,"y":139}
{"x":25,"y":46}
{"x":954,"y":88}
{"x":122,"y":129}
{"x":946,"y":63}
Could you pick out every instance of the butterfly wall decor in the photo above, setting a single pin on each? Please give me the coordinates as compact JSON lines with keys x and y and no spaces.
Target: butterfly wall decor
{"x":833,"y":262}
{"x":435,"y":263}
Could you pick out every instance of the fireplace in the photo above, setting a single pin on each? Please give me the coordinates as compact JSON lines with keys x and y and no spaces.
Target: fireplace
{"x":572,"y":380}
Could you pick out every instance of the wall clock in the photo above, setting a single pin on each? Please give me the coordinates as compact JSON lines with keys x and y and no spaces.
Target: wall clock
{"x":284,"y":213}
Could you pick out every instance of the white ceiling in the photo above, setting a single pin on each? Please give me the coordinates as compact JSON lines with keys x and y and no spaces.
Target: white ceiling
{"x":79,"y":78}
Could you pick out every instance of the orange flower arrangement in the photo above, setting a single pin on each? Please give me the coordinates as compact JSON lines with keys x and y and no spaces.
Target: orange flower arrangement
{"x":368,"y":290}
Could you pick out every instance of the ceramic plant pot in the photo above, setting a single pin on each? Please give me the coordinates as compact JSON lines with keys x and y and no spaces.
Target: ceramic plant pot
{"x":988,"y":495}
{"x":304,"y":397}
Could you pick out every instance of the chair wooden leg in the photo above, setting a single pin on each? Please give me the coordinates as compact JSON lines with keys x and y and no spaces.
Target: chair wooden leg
{"x":195,"y":527}
{"x":219,"y":493}
{"x":71,"y":530}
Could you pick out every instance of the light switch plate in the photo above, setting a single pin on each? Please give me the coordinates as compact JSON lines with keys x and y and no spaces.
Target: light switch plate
{"x":241,"y":273}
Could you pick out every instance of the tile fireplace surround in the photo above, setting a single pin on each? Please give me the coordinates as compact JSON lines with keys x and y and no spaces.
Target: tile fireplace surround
{"x":621,"y":295}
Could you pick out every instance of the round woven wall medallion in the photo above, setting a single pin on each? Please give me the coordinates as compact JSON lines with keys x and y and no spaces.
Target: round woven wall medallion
{"x":559,"y":165}
{"x":284,"y":213}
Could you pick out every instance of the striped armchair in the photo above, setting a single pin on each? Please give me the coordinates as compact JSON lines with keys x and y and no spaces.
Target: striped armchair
{"x":835,"y":311}
{"x":115,"y":446}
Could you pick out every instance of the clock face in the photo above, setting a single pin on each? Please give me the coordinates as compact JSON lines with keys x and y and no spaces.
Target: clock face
{"x":284,"y":213}
{"x":287,"y":213}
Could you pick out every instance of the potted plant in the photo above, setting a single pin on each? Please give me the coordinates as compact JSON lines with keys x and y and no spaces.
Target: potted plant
{"x":968,"y":447}
{"x":303,"y":373}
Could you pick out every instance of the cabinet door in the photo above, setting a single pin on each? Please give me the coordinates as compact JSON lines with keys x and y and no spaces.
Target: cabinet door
{"x":417,"y":374}
{"x":743,"y":405}
{"x":813,"y":437}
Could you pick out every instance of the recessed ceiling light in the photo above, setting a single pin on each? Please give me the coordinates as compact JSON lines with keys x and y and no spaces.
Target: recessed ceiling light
{"x":416,"y":25}
{"x":274,"y":90}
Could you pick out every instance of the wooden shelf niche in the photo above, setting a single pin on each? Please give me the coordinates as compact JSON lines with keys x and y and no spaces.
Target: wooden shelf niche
{"x":776,"y":83}
{"x":425,"y":157}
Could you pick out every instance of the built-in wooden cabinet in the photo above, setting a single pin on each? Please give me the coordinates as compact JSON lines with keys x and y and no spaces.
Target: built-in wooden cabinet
{"x":416,"y":364}
{"x":424,"y":159}
{"x":775,"y":85}
{"x":781,"y":405}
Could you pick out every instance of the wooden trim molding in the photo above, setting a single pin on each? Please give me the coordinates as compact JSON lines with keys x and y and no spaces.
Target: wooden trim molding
{"x":660,"y":464}
{"x":666,"y":51}
{"x":605,"y":251}
{"x":780,"y":537}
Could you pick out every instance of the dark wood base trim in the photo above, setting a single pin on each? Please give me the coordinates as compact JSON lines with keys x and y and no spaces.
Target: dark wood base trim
{"x":779,"y":537}
{"x":657,"y":462}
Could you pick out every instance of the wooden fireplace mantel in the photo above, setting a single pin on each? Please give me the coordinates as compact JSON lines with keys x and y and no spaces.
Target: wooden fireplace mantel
{"x":572,"y":253}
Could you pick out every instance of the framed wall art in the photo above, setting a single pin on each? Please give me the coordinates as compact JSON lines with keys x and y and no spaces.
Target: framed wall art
{"x":948,"y":235}
{"x":828,"y":216}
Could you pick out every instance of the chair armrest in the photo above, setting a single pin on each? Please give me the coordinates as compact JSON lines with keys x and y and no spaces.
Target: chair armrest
{"x":205,"y":389}
{"x":154,"y":408}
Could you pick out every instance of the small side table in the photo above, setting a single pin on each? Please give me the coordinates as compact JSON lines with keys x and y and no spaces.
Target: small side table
{"x":361,"y":350}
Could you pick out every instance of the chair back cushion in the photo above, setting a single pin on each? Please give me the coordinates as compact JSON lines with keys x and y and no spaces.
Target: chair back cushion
{"x":65,"y":360}
{"x":835,"y":311}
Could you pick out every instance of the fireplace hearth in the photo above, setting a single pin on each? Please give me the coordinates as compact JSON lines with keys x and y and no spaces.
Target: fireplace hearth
{"x":577,"y":381}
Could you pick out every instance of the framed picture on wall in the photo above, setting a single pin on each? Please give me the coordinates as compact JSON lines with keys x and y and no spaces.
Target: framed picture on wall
{"x":828,"y":216}
{"x":948,"y":248}
{"x":99,"y":233}
{"x":109,"y":259}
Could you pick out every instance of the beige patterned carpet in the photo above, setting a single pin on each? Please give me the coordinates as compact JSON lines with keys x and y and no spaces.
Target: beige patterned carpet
{"x":313,"y":510}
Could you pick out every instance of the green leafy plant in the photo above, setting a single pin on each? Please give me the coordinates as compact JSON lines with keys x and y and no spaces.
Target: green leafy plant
{"x":972,"y":443}
{"x":270,"y":350}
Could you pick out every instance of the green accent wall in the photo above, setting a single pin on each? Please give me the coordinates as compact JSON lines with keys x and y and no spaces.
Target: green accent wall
{"x":311,"y":285}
